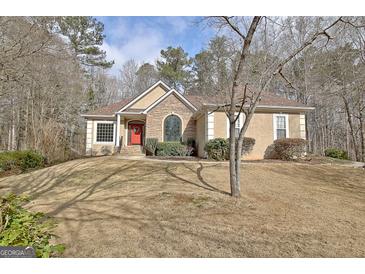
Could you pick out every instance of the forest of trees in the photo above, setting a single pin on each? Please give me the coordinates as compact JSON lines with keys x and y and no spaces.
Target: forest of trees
{"x":52,"y":70}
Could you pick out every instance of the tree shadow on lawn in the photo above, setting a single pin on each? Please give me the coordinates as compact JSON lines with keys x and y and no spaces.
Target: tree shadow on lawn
{"x":97,"y":186}
{"x":42,"y":181}
{"x":97,"y":203}
{"x":114,"y":210}
{"x":198,"y":172}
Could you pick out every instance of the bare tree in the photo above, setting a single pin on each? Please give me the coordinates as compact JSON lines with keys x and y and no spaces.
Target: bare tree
{"x":243,"y":99}
{"x":128,"y":78}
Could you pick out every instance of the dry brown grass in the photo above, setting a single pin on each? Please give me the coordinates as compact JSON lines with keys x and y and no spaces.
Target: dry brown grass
{"x":108,"y":207}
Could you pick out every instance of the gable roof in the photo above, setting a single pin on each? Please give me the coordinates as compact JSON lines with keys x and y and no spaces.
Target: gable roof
{"x":124,"y":104}
{"x":194,"y":102}
{"x":140,"y":96}
{"x":171,"y":92}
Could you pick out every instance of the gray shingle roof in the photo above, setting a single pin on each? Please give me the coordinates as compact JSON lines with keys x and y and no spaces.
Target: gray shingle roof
{"x":267,"y":99}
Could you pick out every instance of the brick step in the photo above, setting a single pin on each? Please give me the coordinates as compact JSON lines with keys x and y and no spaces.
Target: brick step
{"x":132,"y":151}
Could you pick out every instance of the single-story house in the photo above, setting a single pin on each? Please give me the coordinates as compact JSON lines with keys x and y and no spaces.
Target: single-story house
{"x":163,"y":113}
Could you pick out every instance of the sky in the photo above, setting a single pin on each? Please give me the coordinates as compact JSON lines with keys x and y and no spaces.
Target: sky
{"x":142,"y":38}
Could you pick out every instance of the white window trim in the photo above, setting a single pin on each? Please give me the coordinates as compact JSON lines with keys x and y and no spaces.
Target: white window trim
{"x":275,"y":115}
{"x":96,"y":128}
{"x":209,"y":126}
{"x":241,"y":121}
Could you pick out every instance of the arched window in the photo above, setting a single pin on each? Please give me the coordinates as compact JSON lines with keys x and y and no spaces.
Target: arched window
{"x":172,"y":128}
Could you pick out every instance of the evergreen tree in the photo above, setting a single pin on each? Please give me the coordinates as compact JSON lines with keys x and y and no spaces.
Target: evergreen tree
{"x":146,"y":76}
{"x":174,"y":68}
{"x":86,"y":36}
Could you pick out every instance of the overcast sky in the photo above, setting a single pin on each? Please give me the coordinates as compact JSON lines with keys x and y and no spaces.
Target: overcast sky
{"x":142,"y":38}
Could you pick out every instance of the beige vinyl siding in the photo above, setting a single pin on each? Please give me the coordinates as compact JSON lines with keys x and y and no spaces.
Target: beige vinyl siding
{"x":149,"y":99}
{"x":294,"y":126}
{"x":220,"y":125}
{"x":261,"y":129}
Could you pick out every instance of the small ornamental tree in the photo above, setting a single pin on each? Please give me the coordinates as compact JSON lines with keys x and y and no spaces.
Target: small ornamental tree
{"x":240,"y":98}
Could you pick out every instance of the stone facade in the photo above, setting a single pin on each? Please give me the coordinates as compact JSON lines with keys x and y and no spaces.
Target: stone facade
{"x":171,"y":105}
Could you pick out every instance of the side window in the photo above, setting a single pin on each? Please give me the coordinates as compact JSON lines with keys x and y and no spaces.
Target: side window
{"x":280,"y":126}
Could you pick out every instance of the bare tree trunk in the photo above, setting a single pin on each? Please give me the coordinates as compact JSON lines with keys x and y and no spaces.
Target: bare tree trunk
{"x":362,"y":139}
{"x":234,"y":160}
{"x":351,"y":127}
{"x":235,"y":184}
{"x":13,"y":138}
{"x":9,"y":138}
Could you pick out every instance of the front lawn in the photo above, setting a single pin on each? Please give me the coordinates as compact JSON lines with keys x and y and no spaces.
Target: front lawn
{"x":109,"y":207}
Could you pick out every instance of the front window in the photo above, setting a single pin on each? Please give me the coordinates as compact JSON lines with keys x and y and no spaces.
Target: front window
{"x":172,"y":128}
{"x":281,"y":126}
{"x":105,"y":132}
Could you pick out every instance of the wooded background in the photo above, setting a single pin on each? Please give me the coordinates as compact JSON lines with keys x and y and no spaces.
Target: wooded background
{"x":52,"y":70}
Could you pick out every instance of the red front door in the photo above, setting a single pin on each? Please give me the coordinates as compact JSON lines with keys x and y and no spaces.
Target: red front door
{"x":136,"y":134}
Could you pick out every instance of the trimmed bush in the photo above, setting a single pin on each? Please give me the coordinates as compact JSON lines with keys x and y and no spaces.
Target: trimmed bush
{"x":336,"y":153}
{"x":20,"y":227}
{"x":151,"y":145}
{"x":22,"y":160}
{"x":289,"y":148}
{"x":217,"y":149}
{"x":247,"y":145}
{"x":171,"y":149}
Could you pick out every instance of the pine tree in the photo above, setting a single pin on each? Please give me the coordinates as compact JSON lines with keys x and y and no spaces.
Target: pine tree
{"x":174,"y":68}
{"x":86,"y":36}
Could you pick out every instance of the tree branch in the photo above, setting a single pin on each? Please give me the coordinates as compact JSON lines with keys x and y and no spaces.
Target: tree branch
{"x":233,"y":27}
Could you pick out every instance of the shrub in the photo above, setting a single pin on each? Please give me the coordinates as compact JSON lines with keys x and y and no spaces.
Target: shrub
{"x":151,"y":145}
{"x":23,"y":160}
{"x":270,"y":152}
{"x":289,"y":148}
{"x":31,"y":159}
{"x":171,"y":149}
{"x":20,"y":227}
{"x":217,"y":149}
{"x":247,"y":145}
{"x":336,"y":153}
